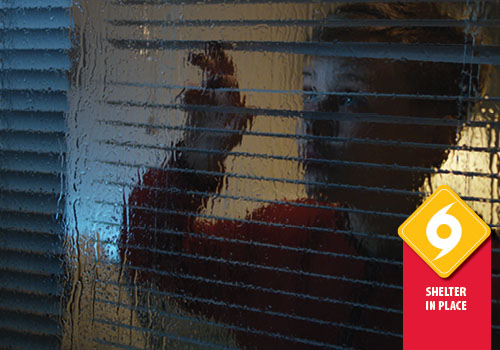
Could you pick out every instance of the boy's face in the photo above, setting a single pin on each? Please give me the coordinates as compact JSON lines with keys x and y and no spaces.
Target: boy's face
{"x":362,"y":141}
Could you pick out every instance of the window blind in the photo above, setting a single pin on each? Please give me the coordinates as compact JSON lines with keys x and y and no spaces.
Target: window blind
{"x":176,"y":239}
{"x":34,"y":46}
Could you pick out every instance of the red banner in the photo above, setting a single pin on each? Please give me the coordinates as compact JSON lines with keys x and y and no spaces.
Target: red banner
{"x":451,"y":313}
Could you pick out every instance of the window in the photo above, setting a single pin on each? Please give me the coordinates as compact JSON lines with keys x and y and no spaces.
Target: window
{"x":234,"y":172}
{"x":33,"y":86}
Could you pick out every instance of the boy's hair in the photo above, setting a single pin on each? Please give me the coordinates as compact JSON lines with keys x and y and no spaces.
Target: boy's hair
{"x":436,"y":78}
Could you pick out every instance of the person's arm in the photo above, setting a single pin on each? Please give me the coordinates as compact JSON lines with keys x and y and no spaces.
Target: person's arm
{"x":161,"y":205}
{"x":206,"y":110}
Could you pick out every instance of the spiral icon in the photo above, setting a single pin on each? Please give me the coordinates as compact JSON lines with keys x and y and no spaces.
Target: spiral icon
{"x":445,"y":244}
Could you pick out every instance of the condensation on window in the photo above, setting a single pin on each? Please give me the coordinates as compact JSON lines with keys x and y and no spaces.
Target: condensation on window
{"x":237,"y":171}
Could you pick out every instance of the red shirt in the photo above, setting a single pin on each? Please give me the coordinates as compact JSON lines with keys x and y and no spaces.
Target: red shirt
{"x":288,"y":275}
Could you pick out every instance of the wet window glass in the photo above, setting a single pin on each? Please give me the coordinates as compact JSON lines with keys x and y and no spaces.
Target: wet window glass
{"x":193,"y":175}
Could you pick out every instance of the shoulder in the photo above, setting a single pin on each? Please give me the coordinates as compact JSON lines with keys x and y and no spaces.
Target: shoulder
{"x":301,"y":223}
{"x":301,"y":212}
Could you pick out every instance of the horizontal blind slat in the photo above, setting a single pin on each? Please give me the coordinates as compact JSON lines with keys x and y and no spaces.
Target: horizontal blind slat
{"x":29,"y":283}
{"x":407,"y":52}
{"x":31,"y":142}
{"x":241,"y":2}
{"x":30,"y":183}
{"x":41,"y":122}
{"x":33,"y":80}
{"x":29,"y":203}
{"x":29,"y":304}
{"x":40,"y":39}
{"x":22,"y":341}
{"x":341,"y":23}
{"x":34,"y":162}
{"x":30,"y":242}
{"x":34,"y":4}
{"x":31,"y":263}
{"x":26,"y":100}
{"x":35,"y":59}
{"x":39,"y":224}
{"x":31,"y":324}
{"x":35,"y":18}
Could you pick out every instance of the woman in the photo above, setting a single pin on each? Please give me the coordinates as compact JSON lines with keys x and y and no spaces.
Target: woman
{"x":321,"y":271}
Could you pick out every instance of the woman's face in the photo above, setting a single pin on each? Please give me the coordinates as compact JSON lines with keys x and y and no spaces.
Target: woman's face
{"x":358,"y":127}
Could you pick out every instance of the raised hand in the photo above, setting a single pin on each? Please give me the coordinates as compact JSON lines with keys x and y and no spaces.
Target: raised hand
{"x":162,"y":199}
{"x":220,"y":97}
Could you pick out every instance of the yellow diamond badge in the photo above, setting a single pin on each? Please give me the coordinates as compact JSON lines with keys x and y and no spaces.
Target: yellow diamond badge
{"x":444,"y":231}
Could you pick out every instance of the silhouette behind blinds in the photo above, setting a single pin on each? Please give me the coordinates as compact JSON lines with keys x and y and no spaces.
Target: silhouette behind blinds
{"x":253,"y":162}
